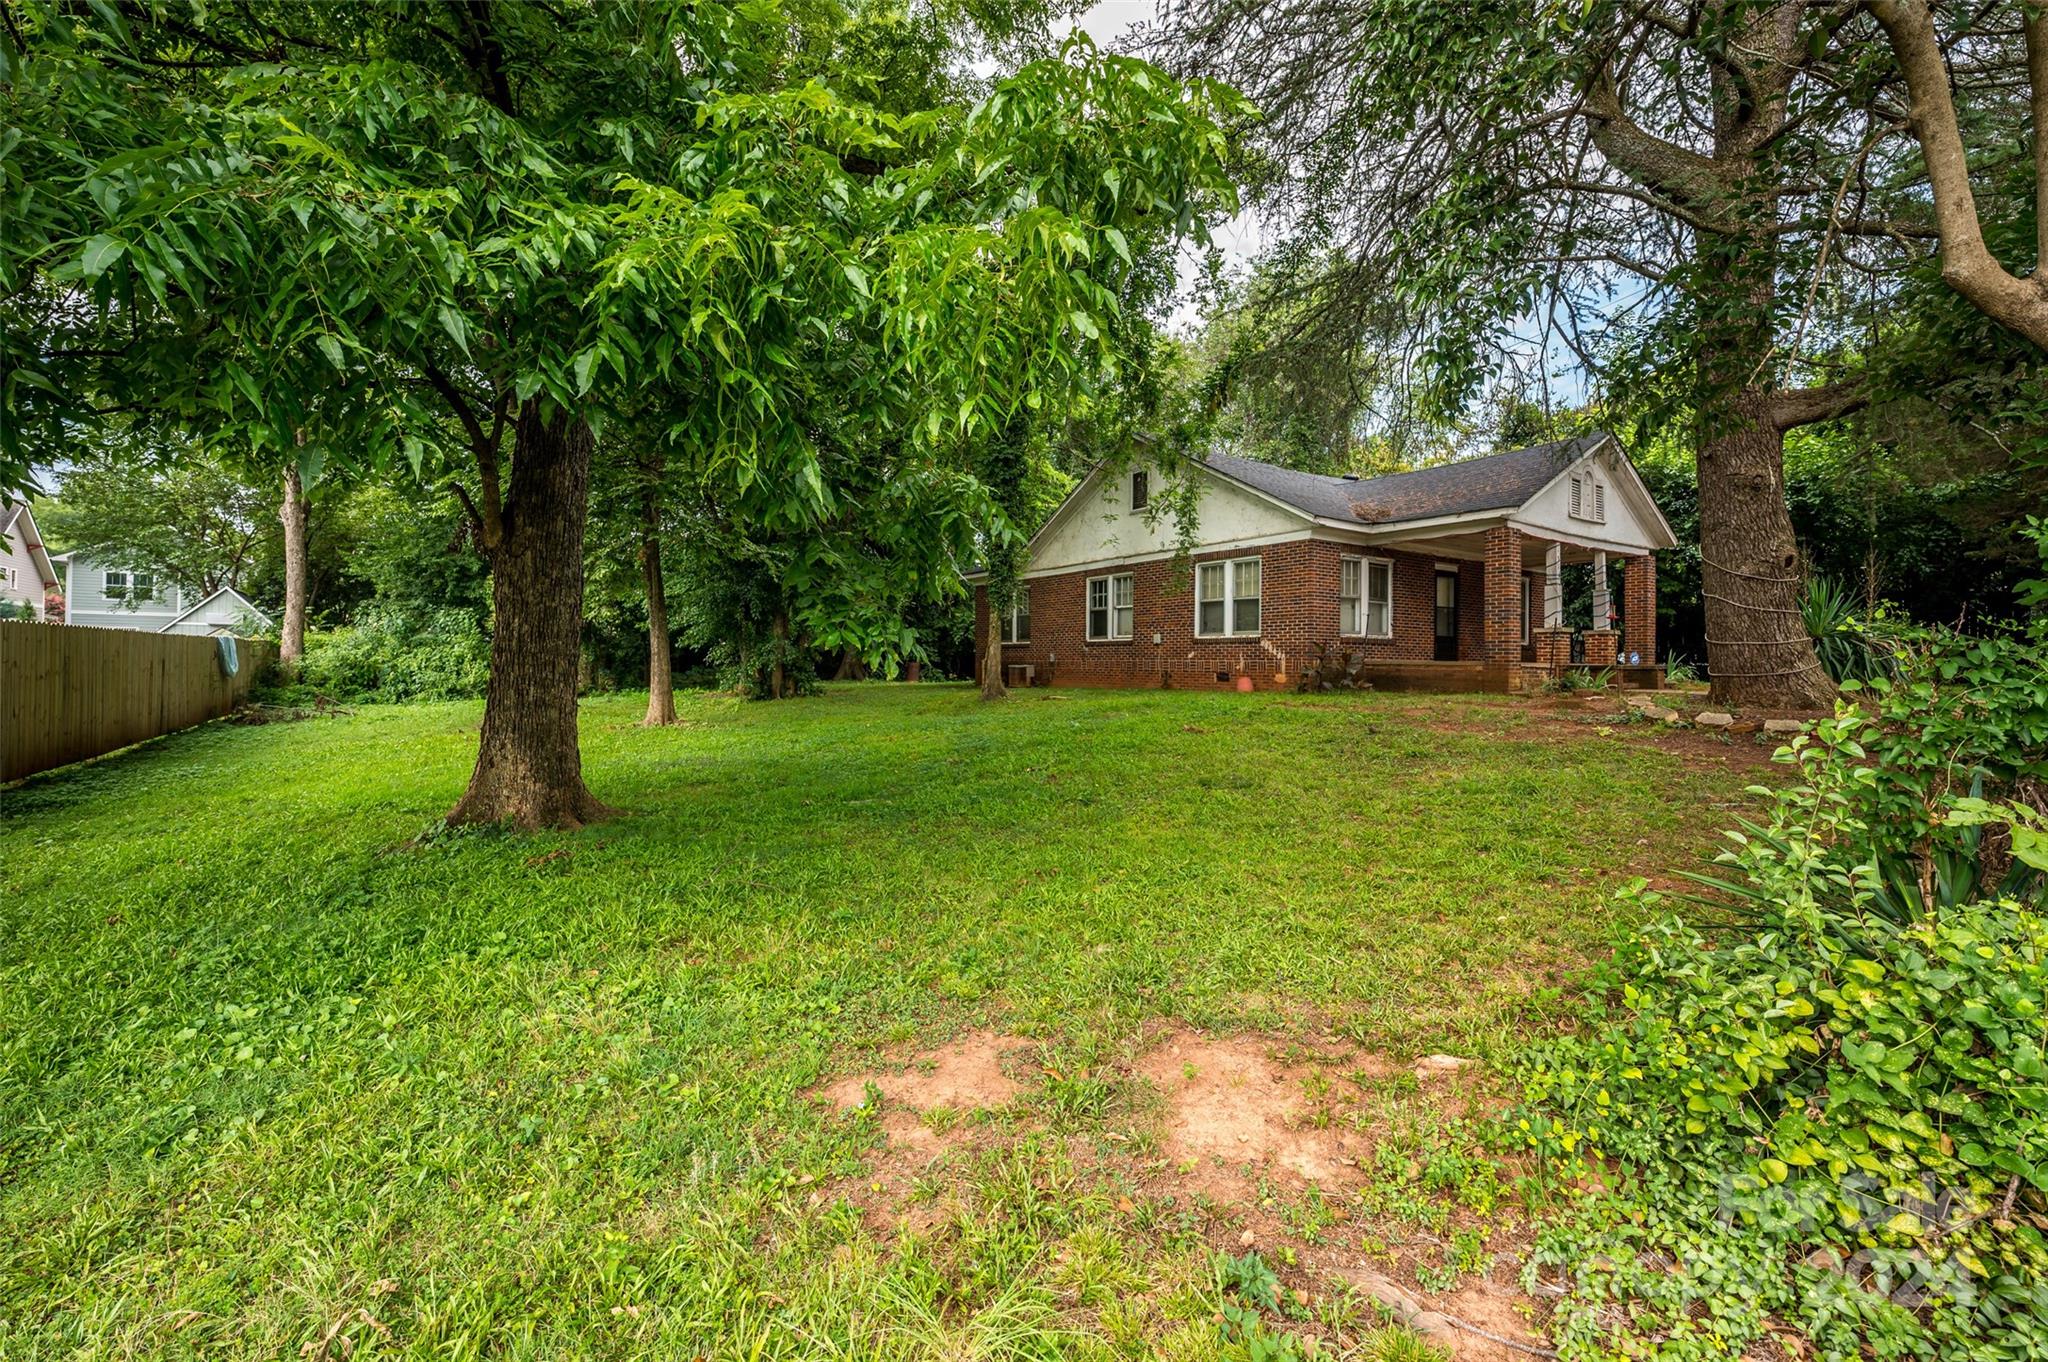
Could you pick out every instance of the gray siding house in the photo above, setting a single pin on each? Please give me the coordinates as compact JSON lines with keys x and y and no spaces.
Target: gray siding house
{"x":100,"y":594}
{"x":26,"y":572}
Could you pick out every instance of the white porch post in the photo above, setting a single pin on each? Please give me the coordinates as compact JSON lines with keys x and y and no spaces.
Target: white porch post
{"x":1553,"y":586}
{"x":1603,"y":610}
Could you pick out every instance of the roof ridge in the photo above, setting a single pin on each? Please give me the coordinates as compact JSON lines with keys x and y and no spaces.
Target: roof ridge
{"x":1453,"y":462}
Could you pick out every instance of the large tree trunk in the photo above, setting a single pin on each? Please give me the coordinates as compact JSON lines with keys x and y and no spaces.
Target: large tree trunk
{"x":291,"y":644}
{"x":1758,"y":652}
{"x":661,"y":690}
{"x":529,"y":769}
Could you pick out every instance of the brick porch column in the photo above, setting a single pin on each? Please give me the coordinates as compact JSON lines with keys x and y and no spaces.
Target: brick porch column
{"x":1639,"y":606}
{"x":1502,"y":645}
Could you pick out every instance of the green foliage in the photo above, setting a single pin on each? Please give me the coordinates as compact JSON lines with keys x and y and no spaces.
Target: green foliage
{"x":1843,"y":642}
{"x":1852,"y":1076}
{"x":392,"y":653}
{"x":181,"y":514}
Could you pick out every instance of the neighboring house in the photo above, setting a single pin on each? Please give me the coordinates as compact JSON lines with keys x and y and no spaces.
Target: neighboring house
{"x":98,"y":593}
{"x":1440,"y":578}
{"x":226,"y":611}
{"x":27,"y":575}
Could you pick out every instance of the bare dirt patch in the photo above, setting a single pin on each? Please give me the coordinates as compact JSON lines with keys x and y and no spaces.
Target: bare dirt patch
{"x":1267,"y":1142}
{"x":1239,"y":1106}
{"x":929,"y":1104}
{"x":965,"y":1074}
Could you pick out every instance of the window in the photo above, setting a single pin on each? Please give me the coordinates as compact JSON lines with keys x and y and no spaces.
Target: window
{"x":1016,"y":621}
{"x":1141,"y":489}
{"x":1525,"y":607}
{"x":1111,"y":613}
{"x":1227,"y":598}
{"x":1367,"y":606}
{"x":10,"y":577}
{"x":130,"y":586}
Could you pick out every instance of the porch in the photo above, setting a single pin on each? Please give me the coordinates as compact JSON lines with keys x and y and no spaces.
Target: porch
{"x":1523,"y":637}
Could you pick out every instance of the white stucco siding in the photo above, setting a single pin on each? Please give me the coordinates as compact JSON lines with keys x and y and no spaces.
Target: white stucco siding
{"x":1630,"y":525}
{"x":1098,"y":525}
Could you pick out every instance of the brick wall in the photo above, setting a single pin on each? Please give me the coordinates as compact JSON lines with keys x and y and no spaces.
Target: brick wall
{"x":1299,"y":610}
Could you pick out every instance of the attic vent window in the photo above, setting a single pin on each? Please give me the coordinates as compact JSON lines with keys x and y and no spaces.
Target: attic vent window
{"x":1589,"y":500}
{"x":1141,"y":489}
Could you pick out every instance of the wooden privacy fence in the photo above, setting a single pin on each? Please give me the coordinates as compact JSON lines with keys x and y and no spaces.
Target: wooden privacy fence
{"x":69,"y":692}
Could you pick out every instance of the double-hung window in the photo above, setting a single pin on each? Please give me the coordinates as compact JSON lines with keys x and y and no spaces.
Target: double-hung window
{"x":129,"y":586}
{"x":1141,"y":489}
{"x":1227,"y":598}
{"x":1366,"y":602}
{"x":1016,"y":621}
{"x":1112,"y":613}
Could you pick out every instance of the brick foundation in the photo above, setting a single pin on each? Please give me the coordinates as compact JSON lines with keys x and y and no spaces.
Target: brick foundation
{"x":1553,"y":649}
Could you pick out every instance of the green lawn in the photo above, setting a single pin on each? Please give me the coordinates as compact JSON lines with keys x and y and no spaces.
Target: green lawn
{"x":276,"y":1069}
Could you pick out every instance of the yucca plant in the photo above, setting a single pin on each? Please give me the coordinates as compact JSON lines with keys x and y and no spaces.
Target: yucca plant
{"x":1840,"y":638}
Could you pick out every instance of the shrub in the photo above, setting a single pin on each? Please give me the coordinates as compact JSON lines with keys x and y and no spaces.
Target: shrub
{"x":391,"y":653}
{"x":1829,"y":1103}
{"x":1848,"y":648}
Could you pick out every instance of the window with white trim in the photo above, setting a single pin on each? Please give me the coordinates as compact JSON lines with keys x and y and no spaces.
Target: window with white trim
{"x":1112,"y":612}
{"x":1141,"y":489}
{"x":1227,"y":598}
{"x":129,"y":586}
{"x":10,"y":576}
{"x":1016,"y":621}
{"x":1525,"y":608}
{"x":1366,"y":607}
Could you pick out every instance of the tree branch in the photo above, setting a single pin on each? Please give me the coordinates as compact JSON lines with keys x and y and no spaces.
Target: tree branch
{"x":1795,"y":407}
{"x":490,"y":517}
{"x":1967,"y":264}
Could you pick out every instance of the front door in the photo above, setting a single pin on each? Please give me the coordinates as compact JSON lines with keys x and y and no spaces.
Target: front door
{"x":1446,"y":616}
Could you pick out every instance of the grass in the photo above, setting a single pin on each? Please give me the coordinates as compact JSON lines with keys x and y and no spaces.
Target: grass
{"x":281,"y":1077}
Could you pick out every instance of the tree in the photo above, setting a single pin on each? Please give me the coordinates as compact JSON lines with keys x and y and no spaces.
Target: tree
{"x":1698,"y":200}
{"x":181,"y":515}
{"x":363,"y":228}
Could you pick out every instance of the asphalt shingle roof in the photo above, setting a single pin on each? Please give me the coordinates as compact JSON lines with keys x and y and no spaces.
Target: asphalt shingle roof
{"x":1486,"y":483}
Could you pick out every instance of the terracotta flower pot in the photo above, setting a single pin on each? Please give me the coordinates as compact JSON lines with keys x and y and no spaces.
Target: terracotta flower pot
{"x":1244,"y":683}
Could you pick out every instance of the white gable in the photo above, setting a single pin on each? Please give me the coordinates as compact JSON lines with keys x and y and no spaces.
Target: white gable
{"x":1097,"y":525}
{"x":1599,"y":501}
{"x":226,"y":611}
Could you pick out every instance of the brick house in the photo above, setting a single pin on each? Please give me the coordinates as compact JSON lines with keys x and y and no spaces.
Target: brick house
{"x":1442,"y":578}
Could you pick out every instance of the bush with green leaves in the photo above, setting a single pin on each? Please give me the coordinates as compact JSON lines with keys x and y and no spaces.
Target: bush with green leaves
{"x":1820,"y":1097}
{"x":394,"y":654}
